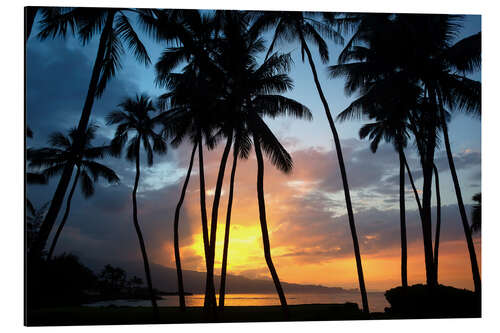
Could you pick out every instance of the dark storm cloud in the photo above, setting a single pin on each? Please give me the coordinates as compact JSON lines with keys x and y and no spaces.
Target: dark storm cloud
{"x":57,"y":78}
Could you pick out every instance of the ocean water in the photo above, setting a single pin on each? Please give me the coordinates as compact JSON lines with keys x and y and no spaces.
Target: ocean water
{"x":376,"y":300}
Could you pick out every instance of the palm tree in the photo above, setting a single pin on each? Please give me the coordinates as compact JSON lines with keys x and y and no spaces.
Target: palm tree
{"x":460,"y":93}
{"x":189,"y":115}
{"x":113,"y":27}
{"x":134,"y":116}
{"x":428,"y":59}
{"x":387,"y":96}
{"x":254,"y":92}
{"x":191,"y":96}
{"x":304,"y":27}
{"x":442,"y":69}
{"x":62,"y":152}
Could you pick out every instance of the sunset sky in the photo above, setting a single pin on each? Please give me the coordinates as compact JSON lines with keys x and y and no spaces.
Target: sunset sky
{"x":310,"y":238}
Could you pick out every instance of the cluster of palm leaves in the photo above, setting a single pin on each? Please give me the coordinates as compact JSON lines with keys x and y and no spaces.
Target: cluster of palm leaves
{"x":407,"y":72}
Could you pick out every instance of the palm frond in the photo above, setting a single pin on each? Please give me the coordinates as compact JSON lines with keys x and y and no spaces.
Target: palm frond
{"x":98,"y":170}
{"x":111,"y":63}
{"x":125,"y":30}
{"x":276,"y":153}
{"x":465,"y":55}
{"x":277,"y":105}
{"x":86,"y":184}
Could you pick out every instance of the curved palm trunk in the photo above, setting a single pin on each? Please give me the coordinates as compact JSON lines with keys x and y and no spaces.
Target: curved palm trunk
{"x":402,"y":213}
{"x":139,"y":233}
{"x":468,"y":235}
{"x":345,"y":184}
{"x":215,"y":212}
{"x":263,"y":223}
{"x":204,"y":221}
{"x":438,"y":221}
{"x":180,"y":282}
{"x":417,"y":198}
{"x":222,"y":291}
{"x":57,"y":199}
{"x":65,"y":217}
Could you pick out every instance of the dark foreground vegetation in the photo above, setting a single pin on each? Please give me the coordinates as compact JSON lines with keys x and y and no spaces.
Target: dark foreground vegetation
{"x":169,"y":315}
{"x":421,"y":301}
{"x":448,"y":303}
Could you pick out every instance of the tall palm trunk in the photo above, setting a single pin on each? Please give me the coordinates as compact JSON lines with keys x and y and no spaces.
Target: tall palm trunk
{"x":215,"y":212}
{"x":209,"y":297}
{"x":438,"y":221}
{"x":343,"y":173}
{"x":468,"y":235}
{"x":402,"y":214}
{"x":263,"y":223}
{"x":180,"y":282}
{"x":66,"y":214}
{"x":222,"y":291}
{"x":139,"y":233}
{"x":57,"y":199}
{"x":427,"y":160}
{"x":427,"y":226}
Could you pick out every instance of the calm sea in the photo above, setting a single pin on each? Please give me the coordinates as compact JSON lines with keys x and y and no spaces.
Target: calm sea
{"x":376,"y":300}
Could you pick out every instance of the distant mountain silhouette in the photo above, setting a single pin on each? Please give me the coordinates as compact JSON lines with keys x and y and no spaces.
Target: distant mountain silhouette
{"x":165,"y":279}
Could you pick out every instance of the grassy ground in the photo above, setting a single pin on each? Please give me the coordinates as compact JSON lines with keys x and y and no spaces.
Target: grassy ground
{"x":143,"y":315}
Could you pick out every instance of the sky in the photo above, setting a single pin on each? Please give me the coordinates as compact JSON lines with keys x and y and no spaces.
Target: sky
{"x":309,"y":233}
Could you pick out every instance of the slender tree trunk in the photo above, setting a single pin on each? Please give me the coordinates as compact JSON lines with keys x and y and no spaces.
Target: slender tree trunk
{"x":65,"y":217}
{"x":55,"y":204}
{"x":345,"y":184}
{"x":402,"y":214}
{"x":427,"y":159}
{"x":438,"y":221}
{"x":468,"y":235}
{"x":222,"y":291}
{"x":209,"y":301}
{"x":415,"y":192}
{"x":263,"y":223}
{"x":180,"y":282}
{"x":215,"y":212}
{"x":139,"y":233}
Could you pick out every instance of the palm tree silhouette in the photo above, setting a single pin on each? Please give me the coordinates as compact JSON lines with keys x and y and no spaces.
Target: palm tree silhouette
{"x":431,"y":60}
{"x":133,"y":116}
{"x":55,"y":158}
{"x":255,"y":91}
{"x":386,"y":96}
{"x":192,"y":33}
{"x":460,"y":93}
{"x":304,"y":27}
{"x":388,"y":101}
{"x":113,"y":28}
